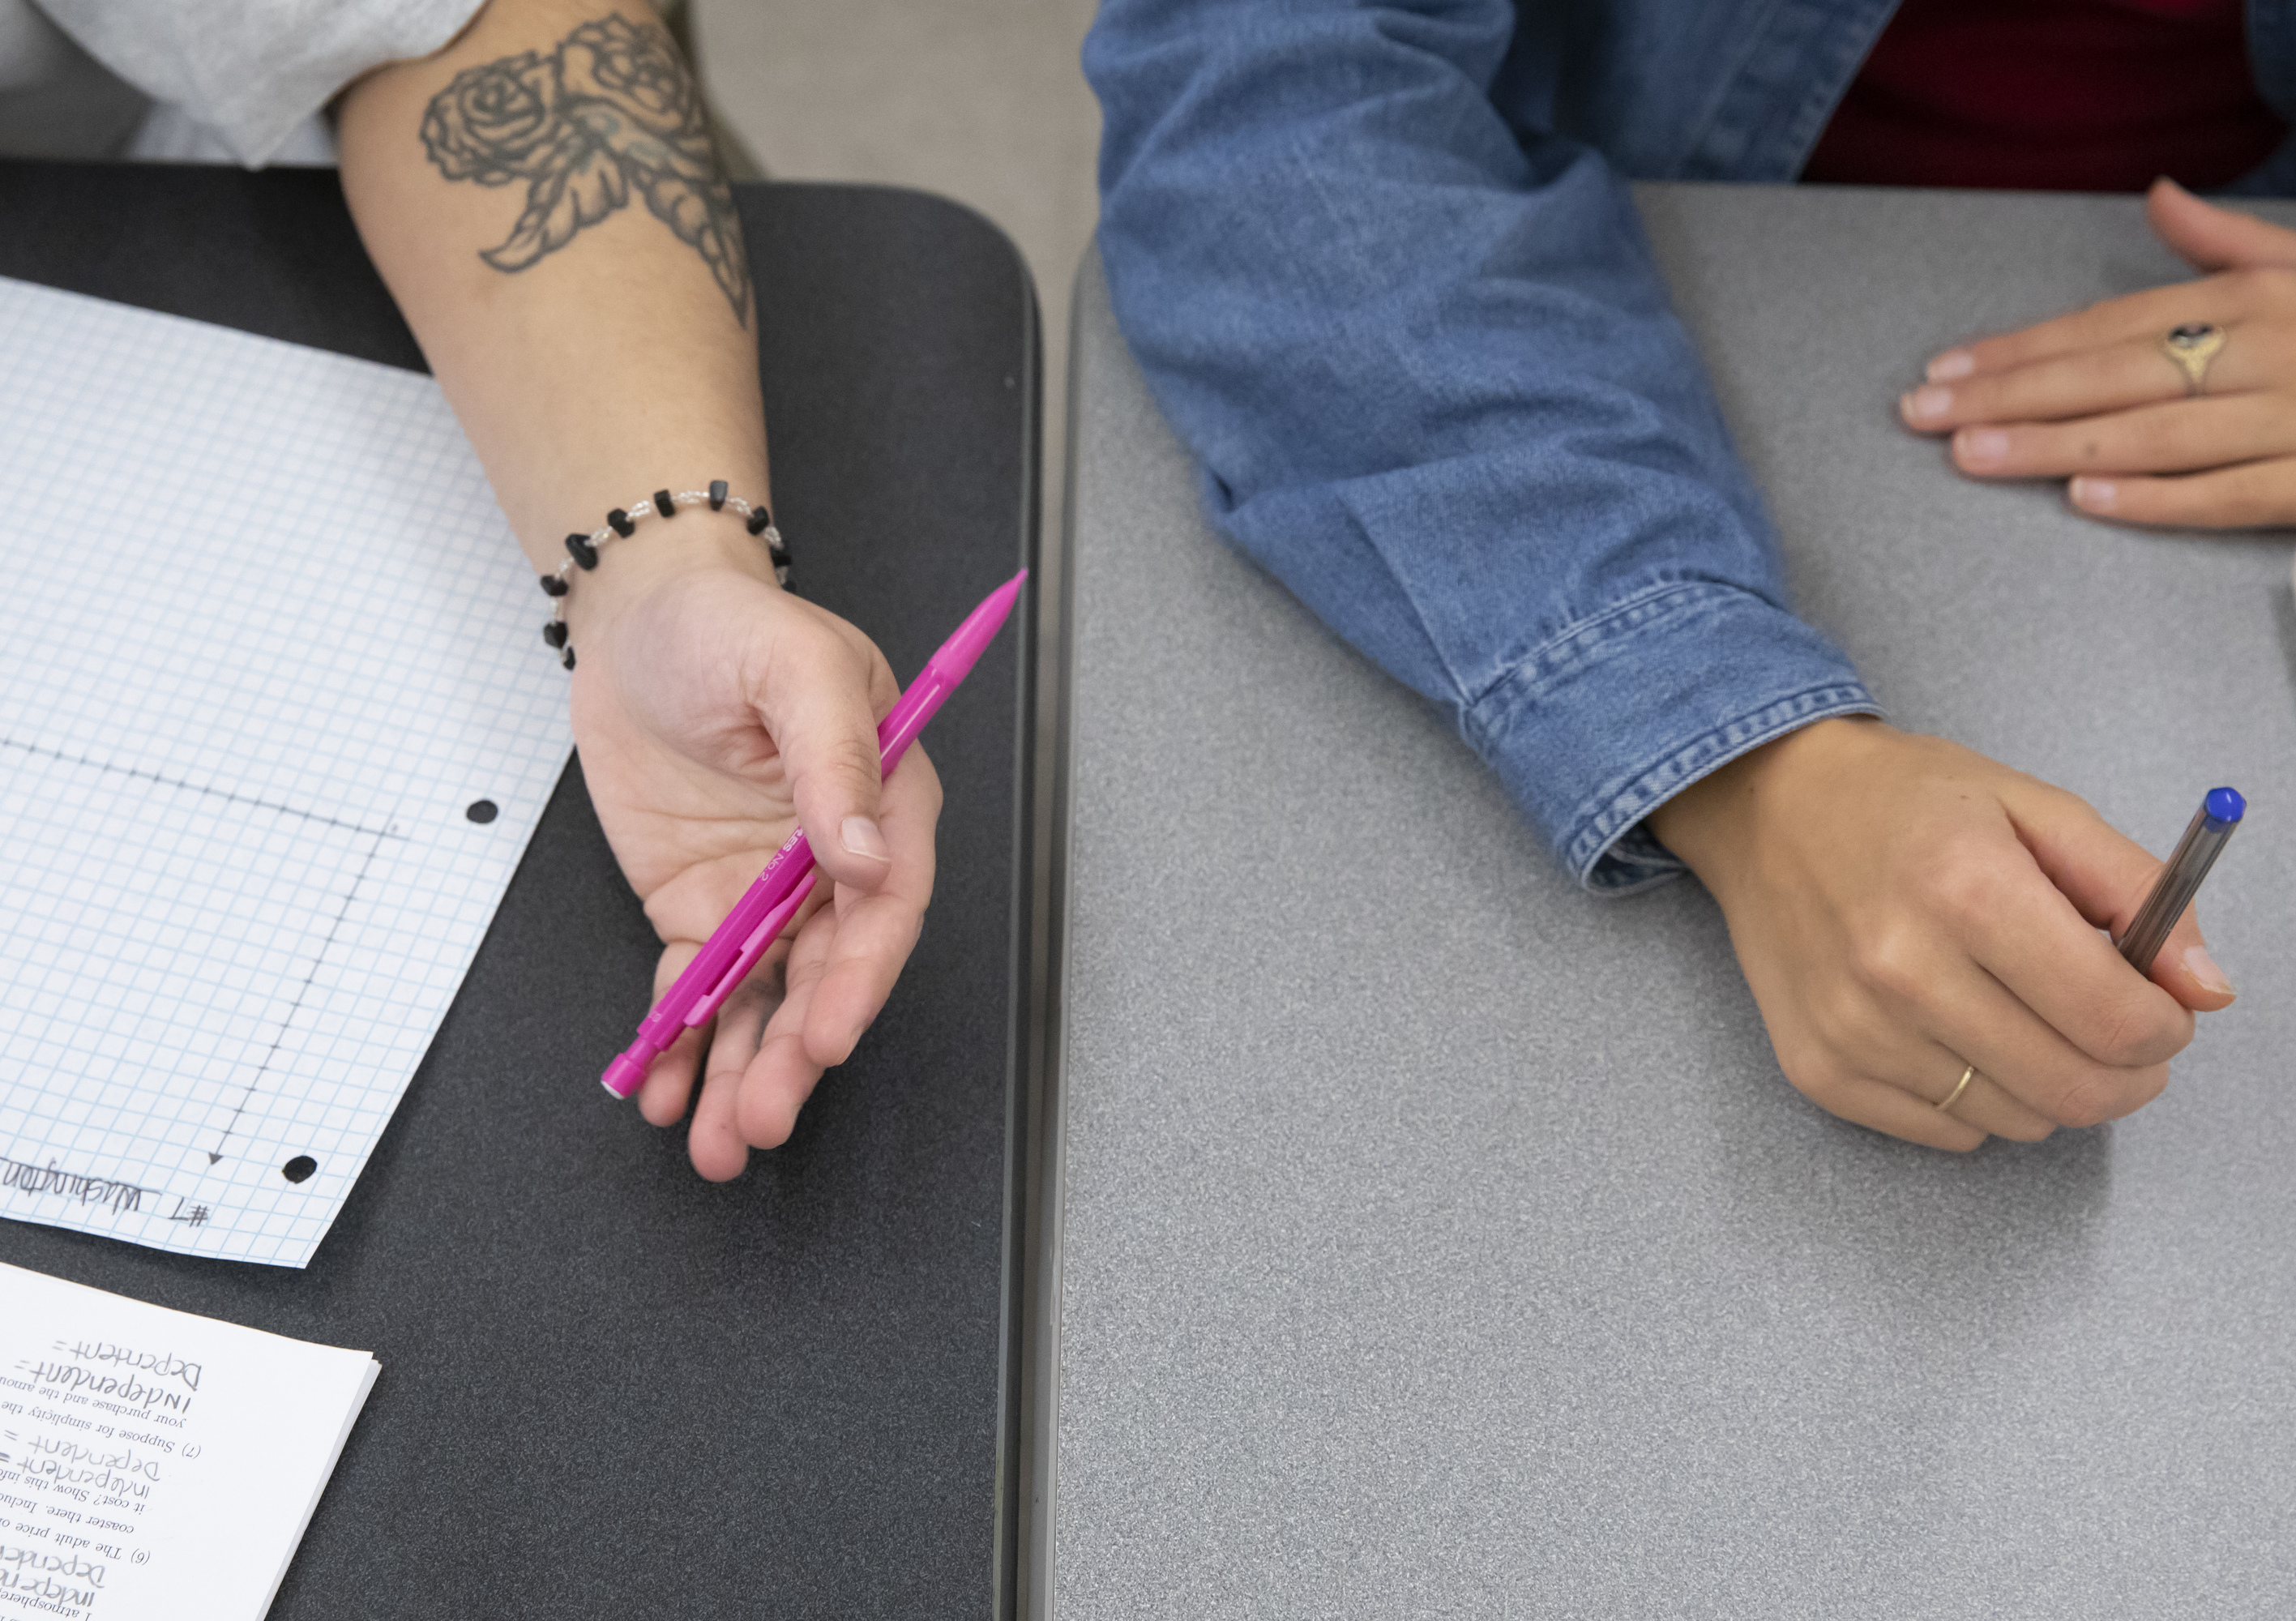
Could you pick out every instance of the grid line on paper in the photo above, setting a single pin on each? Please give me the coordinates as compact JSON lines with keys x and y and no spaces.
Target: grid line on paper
{"x":287,"y":1019}
{"x":152,"y":776}
{"x":237,"y":736}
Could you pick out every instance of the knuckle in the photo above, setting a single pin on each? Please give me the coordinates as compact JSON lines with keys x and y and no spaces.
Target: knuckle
{"x":2157,"y":500}
{"x":2109,"y":1094}
{"x":1888,"y":963}
{"x":2095,"y":369}
{"x":1814,"y":1074}
{"x":2255,"y":500}
{"x":1848,"y":1027}
{"x":1975,"y":398}
{"x":852,"y":758}
{"x":2252,"y":285}
{"x":809,"y":674}
{"x":854,"y":644}
{"x":1830,"y":1019}
{"x":2118,"y":1040}
{"x":2086,"y":1103}
{"x":1837,"y":1026}
{"x":2230,"y":502}
{"x":765,"y":1119}
{"x":864,"y":645}
{"x":1960,"y":894}
{"x":2134,"y":1032}
{"x":2270,"y":285}
{"x":1828,"y":1089}
{"x":829,"y":657}
{"x":2105,"y":1095}
{"x":812,"y":645}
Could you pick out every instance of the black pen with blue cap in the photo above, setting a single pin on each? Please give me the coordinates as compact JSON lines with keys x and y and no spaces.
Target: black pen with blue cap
{"x":2211,"y":828}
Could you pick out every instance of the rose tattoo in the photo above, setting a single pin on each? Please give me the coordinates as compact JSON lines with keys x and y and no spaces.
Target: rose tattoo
{"x":611,"y":111}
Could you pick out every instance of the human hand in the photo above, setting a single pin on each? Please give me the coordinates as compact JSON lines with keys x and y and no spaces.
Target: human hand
{"x":1901,"y":907}
{"x":2091,"y":396}
{"x":714,"y":712}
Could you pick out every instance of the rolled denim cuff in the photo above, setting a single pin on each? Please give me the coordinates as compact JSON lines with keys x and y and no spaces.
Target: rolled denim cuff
{"x":1625,"y":709}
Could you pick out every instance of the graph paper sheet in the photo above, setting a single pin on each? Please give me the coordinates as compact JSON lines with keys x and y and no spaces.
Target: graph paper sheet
{"x":274,"y":728}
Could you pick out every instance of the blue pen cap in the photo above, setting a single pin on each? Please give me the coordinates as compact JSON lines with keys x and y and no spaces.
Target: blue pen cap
{"x":2224,"y":805}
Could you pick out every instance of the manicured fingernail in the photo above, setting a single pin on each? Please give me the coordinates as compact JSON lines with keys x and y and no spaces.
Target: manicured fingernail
{"x":1926,"y":405}
{"x":1981,"y":444}
{"x":2203,"y":967}
{"x":863,"y":837}
{"x":1952,"y":364}
{"x":2098,"y":495}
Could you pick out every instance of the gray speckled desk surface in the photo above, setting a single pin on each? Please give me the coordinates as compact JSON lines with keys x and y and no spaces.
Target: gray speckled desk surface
{"x":1433,"y":1240}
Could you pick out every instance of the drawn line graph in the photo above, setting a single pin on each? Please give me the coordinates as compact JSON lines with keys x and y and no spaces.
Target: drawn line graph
{"x":136,"y":780}
{"x":59,"y":755}
{"x":295,"y":1007}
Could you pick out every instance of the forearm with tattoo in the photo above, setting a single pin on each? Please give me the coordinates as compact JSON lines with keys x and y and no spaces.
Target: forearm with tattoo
{"x":611,"y":111}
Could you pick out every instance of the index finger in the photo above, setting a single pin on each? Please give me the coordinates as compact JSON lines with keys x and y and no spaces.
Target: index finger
{"x":2106,"y":875}
{"x":876,"y":931}
{"x":2038,"y":932}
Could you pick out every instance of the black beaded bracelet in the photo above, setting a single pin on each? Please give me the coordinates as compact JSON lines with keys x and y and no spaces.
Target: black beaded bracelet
{"x":582,"y":549}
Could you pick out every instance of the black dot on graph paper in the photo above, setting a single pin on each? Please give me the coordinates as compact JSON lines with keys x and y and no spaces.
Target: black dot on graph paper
{"x":299,"y":1168}
{"x":482,"y":811}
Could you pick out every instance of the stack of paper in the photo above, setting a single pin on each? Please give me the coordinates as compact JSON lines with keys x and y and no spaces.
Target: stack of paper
{"x":155,"y":1464}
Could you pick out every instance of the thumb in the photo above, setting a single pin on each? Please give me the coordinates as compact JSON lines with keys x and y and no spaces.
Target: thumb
{"x":2106,"y":875}
{"x":2209,"y":238}
{"x":819,"y":715}
{"x":2184,"y":970}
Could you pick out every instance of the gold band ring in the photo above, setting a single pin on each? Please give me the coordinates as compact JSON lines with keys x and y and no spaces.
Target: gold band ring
{"x":1960,"y":1086}
{"x":2192,"y":346}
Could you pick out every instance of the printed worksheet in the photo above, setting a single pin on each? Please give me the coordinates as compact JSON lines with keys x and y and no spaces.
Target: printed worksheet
{"x":155,"y":1466}
{"x":275,"y":723}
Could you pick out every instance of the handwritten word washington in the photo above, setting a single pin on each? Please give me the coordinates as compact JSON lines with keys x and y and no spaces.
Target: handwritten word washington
{"x":51,"y":1179}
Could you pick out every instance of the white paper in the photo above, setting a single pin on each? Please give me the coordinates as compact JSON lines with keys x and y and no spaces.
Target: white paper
{"x":155,"y":1464}
{"x":267,"y":640}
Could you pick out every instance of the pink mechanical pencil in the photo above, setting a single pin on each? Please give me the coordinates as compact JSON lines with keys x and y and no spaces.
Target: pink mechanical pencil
{"x":760,"y":916}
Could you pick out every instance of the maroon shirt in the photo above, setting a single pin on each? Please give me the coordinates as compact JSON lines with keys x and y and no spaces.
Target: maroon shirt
{"x":2075,"y":95}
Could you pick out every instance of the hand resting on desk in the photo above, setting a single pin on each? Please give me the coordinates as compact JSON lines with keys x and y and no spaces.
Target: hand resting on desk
{"x":1902,"y":906}
{"x":2091,"y":398}
{"x":542,"y":200}
{"x":712,"y":711}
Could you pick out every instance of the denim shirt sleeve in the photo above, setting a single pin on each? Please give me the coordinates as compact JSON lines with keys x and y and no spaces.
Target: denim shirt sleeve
{"x":1432,"y":377}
